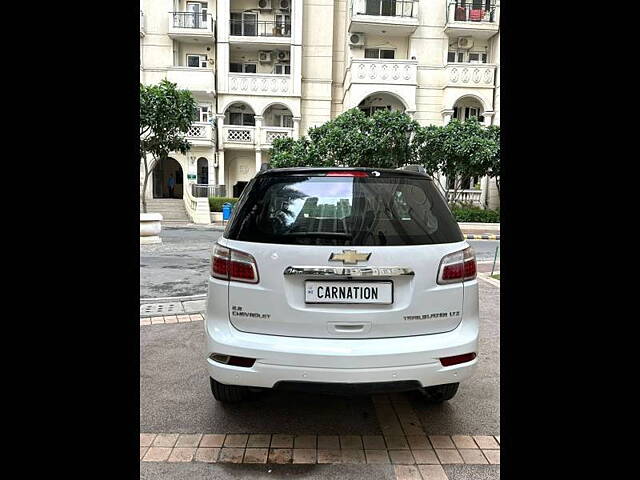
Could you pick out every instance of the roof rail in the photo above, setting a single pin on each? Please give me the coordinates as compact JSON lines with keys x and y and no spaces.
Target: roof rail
{"x":413,"y":168}
{"x":264,"y":167}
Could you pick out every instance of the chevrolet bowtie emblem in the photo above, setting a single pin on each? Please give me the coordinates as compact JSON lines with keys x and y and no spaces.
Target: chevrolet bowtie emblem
{"x":349,"y":256}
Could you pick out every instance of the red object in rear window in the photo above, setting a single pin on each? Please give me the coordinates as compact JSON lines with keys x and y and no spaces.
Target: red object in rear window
{"x":455,"y":360}
{"x":347,"y":174}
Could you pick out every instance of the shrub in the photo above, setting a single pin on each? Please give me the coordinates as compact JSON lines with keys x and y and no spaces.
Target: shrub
{"x":467,"y":213}
{"x":215,"y":203}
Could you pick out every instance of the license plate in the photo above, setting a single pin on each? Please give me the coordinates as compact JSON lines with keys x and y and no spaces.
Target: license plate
{"x":348,"y":292}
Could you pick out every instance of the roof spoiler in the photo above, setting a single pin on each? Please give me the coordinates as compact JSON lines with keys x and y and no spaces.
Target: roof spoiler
{"x":413,"y":168}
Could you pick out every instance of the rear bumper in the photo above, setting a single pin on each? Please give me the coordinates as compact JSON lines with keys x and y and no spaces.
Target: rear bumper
{"x":293,"y":359}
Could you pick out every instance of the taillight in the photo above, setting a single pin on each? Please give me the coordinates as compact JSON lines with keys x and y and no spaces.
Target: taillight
{"x":457,"y":359}
{"x":457,"y":267}
{"x":229,"y":264}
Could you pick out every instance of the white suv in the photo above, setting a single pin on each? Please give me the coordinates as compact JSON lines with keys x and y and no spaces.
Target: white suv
{"x":341,"y":280}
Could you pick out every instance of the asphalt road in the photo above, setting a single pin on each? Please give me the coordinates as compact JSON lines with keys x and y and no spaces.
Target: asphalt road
{"x":180,"y":265}
{"x":175,"y":397}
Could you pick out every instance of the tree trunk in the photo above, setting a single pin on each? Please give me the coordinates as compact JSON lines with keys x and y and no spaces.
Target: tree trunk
{"x":144,"y":185}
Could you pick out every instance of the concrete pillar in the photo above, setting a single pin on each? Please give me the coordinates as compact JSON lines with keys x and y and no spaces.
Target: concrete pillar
{"x":221,"y":167}
{"x":447,"y":114}
{"x":296,"y":127}
{"x":258,"y":131}
{"x":258,"y":160}
{"x":487,"y":118}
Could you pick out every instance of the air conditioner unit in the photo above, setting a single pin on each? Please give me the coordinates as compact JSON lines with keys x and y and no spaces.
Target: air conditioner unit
{"x":283,"y":56}
{"x":284,"y":4}
{"x":465,"y":42}
{"x":264,"y":57}
{"x":264,"y":4}
{"x":356,"y":40}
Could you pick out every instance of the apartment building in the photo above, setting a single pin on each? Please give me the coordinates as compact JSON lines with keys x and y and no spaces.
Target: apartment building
{"x":263,"y":69}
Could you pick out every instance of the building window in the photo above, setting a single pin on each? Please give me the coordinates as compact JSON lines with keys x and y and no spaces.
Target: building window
{"x":244,"y":23}
{"x":466,"y":57}
{"x":236,"y":67}
{"x":283,"y":25}
{"x":282,"y":69}
{"x":196,"y":61}
{"x":381,"y":7}
{"x":240,"y":118}
{"x":285,"y":121}
{"x":203,"y":114}
{"x":379,"y":53}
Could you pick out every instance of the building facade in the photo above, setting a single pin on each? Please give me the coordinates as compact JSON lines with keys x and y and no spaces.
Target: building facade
{"x":263,"y":69}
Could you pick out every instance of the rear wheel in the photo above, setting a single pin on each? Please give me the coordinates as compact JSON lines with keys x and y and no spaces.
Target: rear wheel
{"x":441,"y":393}
{"x":228,"y":393}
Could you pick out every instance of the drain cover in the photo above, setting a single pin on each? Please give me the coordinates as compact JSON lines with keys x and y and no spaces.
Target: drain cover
{"x":171,"y":308}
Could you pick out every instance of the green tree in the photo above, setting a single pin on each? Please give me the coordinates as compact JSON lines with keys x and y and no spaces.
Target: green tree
{"x":351,"y":139}
{"x":166,"y":114}
{"x":458,"y":150}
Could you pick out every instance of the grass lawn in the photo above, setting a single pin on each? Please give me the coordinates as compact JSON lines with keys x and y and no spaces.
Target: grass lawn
{"x":496,"y":276}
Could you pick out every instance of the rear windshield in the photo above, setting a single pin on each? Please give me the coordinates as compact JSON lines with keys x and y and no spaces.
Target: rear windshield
{"x":319,"y":210}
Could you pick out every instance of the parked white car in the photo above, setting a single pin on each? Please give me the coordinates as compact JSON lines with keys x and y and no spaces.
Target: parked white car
{"x":341,"y":280}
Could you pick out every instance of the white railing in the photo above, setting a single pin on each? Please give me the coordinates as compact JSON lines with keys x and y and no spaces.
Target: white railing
{"x":384,"y":8}
{"x":197,"y":208}
{"x":191,"y":23}
{"x":238,"y":134}
{"x":465,"y":196}
{"x":271,"y":133}
{"x":398,"y":72}
{"x":260,"y":83}
{"x":200,"y":131}
{"x":192,"y":78}
{"x":470,"y":74}
{"x":457,"y":12}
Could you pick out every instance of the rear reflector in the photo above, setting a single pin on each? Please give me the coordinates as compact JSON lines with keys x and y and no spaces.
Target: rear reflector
{"x":228,"y":264}
{"x":457,"y":267}
{"x":234,"y":361}
{"x":455,"y":360}
{"x":347,"y":174}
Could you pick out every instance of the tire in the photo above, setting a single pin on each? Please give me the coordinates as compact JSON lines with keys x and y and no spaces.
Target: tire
{"x":441,"y":393}
{"x":227,"y":393}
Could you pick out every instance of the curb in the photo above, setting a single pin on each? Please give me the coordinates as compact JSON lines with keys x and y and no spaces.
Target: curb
{"x":470,"y":236}
{"x":184,"y":298}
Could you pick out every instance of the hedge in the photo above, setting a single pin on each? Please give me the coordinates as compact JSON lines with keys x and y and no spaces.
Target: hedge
{"x":475,"y":214}
{"x":215,"y":203}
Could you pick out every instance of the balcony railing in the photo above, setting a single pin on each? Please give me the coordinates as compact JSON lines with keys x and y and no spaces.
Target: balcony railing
{"x":260,"y":83}
{"x":465,"y":196}
{"x":245,"y":28}
{"x":201,"y":133}
{"x":386,"y":8}
{"x":194,"y":20}
{"x":205,"y":190}
{"x":238,"y":134}
{"x":192,"y":78}
{"x":399,"y":72}
{"x":470,"y":11}
{"x":470,"y":74}
{"x":269,"y":134}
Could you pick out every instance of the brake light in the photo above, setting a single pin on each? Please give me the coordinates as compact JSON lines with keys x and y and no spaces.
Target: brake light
{"x":229,"y":264}
{"x":457,"y":267}
{"x":347,"y":174}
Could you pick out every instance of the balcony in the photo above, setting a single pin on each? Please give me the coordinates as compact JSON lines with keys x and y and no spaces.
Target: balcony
{"x":238,"y":136}
{"x":194,"y":79}
{"x":367,"y":76}
{"x":260,"y":84}
{"x":387,"y":17}
{"x":480,"y":20}
{"x":200,"y":135}
{"x":191,"y":26}
{"x":271,"y":133}
{"x":142,"y":32}
{"x":380,"y":71}
{"x":259,"y":31}
{"x":479,"y":75}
